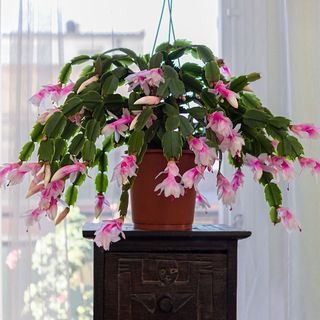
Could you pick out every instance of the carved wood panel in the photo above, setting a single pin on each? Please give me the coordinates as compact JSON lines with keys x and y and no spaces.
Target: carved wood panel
{"x":173,"y":286}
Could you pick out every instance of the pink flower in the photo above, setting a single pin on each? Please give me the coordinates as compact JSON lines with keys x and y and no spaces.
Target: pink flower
{"x":234,"y":142}
{"x":59,"y":93}
{"x":310,"y":163}
{"x":237,"y":180}
{"x":204,"y":155}
{"x":288,"y":220}
{"x":169,"y":185}
{"x":316,"y":169}
{"x":145,"y":79}
{"x":53,"y":209}
{"x":305,"y":130}
{"x":49,"y":94}
{"x":16,"y":176}
{"x":220,"y":124}
{"x":43,"y":117}
{"x":221,"y":88}
{"x":226,"y":71}
{"x":32,"y":167}
{"x":5,"y":170}
{"x":256,"y":165}
{"x":155,"y":77}
{"x":125,"y":169}
{"x":192,"y":177}
{"x":108,"y":233}
{"x":72,"y":169}
{"x":52,"y":191}
{"x":41,"y":99}
{"x":280,"y":164}
{"x":33,"y":216}
{"x":148,"y":100}
{"x":225,"y":190}
{"x":202,"y":202}
{"x":101,"y":202}
{"x":119,"y":126}
{"x":76,"y":118}
{"x":13,"y":258}
{"x":306,"y":162}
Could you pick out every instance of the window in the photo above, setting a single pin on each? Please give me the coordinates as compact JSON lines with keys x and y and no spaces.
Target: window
{"x":51,"y":278}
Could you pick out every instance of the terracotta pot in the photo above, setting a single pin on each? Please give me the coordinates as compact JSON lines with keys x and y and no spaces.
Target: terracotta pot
{"x":153,"y":212}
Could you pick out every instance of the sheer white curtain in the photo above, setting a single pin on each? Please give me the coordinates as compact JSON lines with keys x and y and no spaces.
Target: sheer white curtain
{"x":279,"y":276}
{"x":50,"y":279}
{"x":36,"y":275}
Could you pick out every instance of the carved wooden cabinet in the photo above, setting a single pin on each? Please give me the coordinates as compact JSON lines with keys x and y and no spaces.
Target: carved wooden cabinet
{"x":167,"y":275}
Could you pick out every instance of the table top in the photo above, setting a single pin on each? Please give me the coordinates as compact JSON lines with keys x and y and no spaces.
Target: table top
{"x":212,"y":231}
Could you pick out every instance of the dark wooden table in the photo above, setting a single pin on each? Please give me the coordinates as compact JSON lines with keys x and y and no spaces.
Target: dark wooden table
{"x":167,"y":275}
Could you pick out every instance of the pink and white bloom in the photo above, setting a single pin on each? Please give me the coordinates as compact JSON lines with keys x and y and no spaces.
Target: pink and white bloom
{"x":316,"y":169}
{"x":310,"y":163}
{"x":226,"y":71}
{"x":58,"y":92}
{"x":42,"y":99}
{"x":52,"y":191}
{"x":220,"y":124}
{"x":43,"y":117}
{"x":119,"y":126}
{"x":5,"y":170}
{"x":306,"y":162}
{"x":32,"y":167}
{"x":145,"y":79}
{"x":288,"y":220}
{"x":306,"y":130}
{"x":202,"y":202}
{"x":234,"y":142}
{"x":257,"y":165}
{"x":52,"y":211}
{"x":192,"y":177}
{"x":108,"y":233}
{"x":221,"y":89}
{"x":125,"y":169}
{"x":155,"y":77}
{"x":281,"y":165}
{"x":237,"y":180}
{"x":76,"y":118}
{"x":84,"y":84}
{"x":16,"y":176}
{"x":33,"y":216}
{"x":204,"y":155}
{"x":51,"y":94}
{"x":225,"y":190}
{"x":101,"y":202}
{"x":71,"y":169}
{"x":169,"y":185}
{"x":148,"y":100}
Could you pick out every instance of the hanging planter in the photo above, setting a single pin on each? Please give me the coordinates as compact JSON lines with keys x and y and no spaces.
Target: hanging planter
{"x":193,"y":114}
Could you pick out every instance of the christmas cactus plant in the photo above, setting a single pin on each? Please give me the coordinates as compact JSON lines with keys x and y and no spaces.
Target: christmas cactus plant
{"x":171,"y":105}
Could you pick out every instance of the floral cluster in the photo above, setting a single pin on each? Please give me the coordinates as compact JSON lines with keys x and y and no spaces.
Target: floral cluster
{"x":198,"y":107}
